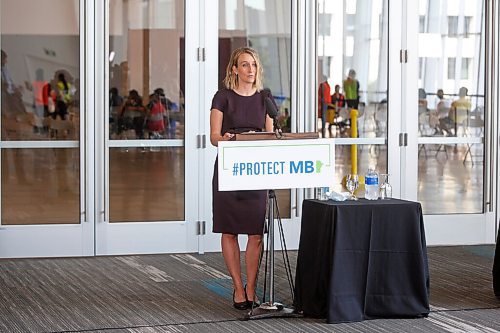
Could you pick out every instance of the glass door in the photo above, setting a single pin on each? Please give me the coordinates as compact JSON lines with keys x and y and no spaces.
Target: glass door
{"x":358,"y":94}
{"x":42,"y":164}
{"x":149,"y":121}
{"x":265,"y":26}
{"x":448,"y":112}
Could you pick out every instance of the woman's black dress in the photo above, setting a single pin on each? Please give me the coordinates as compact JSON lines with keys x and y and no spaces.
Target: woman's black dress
{"x":239,"y":212}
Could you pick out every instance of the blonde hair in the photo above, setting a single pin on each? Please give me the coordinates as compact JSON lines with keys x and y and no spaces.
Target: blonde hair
{"x":231,"y":79}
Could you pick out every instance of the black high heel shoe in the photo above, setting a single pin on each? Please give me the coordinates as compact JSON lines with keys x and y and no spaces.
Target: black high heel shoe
{"x":240,"y":305}
{"x":251,"y":304}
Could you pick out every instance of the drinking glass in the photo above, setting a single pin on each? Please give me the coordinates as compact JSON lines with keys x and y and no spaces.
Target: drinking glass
{"x":352,"y":184}
{"x":385,"y":188}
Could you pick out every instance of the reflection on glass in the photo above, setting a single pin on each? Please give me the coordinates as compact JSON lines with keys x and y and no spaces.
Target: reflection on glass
{"x":352,"y":74}
{"x":40,"y":186}
{"x":146,"y":101}
{"x":40,"y":71}
{"x":451,"y":99}
{"x":352,"y":67}
{"x":368,"y":155}
{"x":146,"y":184}
{"x":40,"y":100}
{"x":283,"y":201}
{"x":146,"y":70}
{"x":256,"y":25}
{"x":450,"y":178}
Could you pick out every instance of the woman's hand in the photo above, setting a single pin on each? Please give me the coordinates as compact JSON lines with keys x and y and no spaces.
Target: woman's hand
{"x":227,"y":136}
{"x":216,"y":117}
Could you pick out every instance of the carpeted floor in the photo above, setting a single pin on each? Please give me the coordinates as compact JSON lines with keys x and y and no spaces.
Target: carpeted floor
{"x":192,"y":293}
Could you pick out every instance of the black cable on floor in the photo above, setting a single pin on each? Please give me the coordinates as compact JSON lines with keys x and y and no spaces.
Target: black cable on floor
{"x":146,"y":326}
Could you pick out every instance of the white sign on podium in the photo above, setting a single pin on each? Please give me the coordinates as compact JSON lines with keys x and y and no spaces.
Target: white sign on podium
{"x":276,"y":164}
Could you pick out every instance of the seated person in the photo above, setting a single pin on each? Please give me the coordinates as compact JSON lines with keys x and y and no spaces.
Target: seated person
{"x":442,"y":104}
{"x":133,"y":114}
{"x":422,"y":101}
{"x":457,"y":114}
{"x":338,"y":102}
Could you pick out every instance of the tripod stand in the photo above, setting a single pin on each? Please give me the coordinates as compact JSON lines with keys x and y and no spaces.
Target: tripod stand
{"x":272,"y":309}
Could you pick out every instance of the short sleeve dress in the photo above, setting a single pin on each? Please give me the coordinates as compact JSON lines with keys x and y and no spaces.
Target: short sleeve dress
{"x":239,"y":212}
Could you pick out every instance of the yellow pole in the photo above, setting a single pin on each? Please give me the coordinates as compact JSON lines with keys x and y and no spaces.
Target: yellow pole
{"x":354,"y":147}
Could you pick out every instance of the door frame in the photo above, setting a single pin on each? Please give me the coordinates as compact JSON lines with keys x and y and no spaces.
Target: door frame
{"x":444,"y":229}
{"x":158,"y":236}
{"x":61,"y":240}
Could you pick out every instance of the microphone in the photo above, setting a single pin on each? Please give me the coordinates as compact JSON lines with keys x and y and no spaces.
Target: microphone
{"x":272,"y":112}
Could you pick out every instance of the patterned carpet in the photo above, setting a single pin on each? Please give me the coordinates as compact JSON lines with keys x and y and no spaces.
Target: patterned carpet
{"x":192,"y":293}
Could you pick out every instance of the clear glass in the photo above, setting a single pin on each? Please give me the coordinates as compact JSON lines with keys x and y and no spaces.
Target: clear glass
{"x":450,"y":178}
{"x":352,"y":184}
{"x":146,"y":77}
{"x":146,"y":184}
{"x":266,"y":26}
{"x":368,"y":155}
{"x":40,"y":186}
{"x":40,"y":70}
{"x":385,"y":191}
{"x":40,"y":101}
{"x":353,"y":39}
{"x":146,"y":61}
{"x":452,"y":105}
{"x":344,"y":27}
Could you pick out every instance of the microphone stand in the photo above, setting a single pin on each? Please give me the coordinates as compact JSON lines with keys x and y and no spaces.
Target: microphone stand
{"x":272,"y":309}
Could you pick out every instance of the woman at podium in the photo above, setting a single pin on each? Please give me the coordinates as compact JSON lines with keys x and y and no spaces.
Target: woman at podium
{"x":240,"y":107}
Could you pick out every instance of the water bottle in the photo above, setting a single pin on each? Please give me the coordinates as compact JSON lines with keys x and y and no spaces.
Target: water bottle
{"x":323,"y":193}
{"x":371,"y":184}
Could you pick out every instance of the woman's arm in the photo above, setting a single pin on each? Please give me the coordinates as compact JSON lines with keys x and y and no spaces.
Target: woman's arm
{"x":216,"y":117}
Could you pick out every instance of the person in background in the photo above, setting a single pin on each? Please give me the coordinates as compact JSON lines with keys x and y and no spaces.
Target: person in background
{"x":157,"y":113}
{"x":284,"y":120}
{"x":41,"y":93}
{"x":12,"y":103}
{"x":351,"y":89}
{"x":422,"y":101}
{"x":324,"y":100}
{"x":240,"y":107}
{"x":460,"y":107}
{"x":338,"y":102}
{"x":441,"y":103}
{"x":133,"y":114}
{"x":64,"y":88}
{"x":115,"y":105}
{"x":457,"y":113}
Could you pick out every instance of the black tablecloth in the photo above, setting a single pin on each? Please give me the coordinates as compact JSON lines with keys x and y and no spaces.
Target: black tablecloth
{"x":361,"y":260}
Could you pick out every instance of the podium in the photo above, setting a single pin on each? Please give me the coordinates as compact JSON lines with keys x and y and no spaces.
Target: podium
{"x":253,"y":136}
{"x":261,"y":161}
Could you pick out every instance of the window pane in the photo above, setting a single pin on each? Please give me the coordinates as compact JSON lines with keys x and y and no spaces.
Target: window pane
{"x":146,"y":184}
{"x":40,"y":93}
{"x":40,"y":186}
{"x":452,"y":25}
{"x":451,"y":175}
{"x":451,"y":68}
{"x":421,"y":24}
{"x":146,"y":65}
{"x":40,"y":70}
{"x":352,"y":74}
{"x":465,"y":68}
{"x":146,"y":69}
